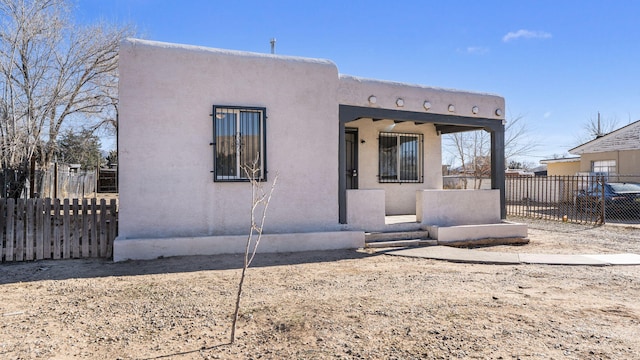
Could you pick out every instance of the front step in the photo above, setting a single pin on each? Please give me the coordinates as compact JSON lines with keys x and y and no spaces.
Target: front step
{"x":398,"y":238}
{"x":396,"y":235}
{"x":401,"y":243}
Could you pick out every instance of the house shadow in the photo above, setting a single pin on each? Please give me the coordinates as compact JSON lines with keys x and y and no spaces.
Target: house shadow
{"x":97,"y":268}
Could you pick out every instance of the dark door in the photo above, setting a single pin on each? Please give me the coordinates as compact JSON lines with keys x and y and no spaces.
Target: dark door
{"x":351,"y":139}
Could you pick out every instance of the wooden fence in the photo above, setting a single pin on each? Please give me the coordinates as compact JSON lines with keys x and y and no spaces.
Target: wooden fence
{"x":35,"y":229}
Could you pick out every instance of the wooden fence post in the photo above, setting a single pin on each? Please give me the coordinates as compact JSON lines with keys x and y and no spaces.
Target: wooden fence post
{"x":9,"y":255}
{"x":56,"y":229}
{"x":113,"y":226}
{"x":46,"y":229}
{"x":41,"y":217}
{"x":19,"y":229}
{"x":85,"y":228}
{"x":76,"y":229}
{"x":94,"y":229}
{"x":103,"y":228}
{"x":66,"y":232}
{"x":30,"y":210}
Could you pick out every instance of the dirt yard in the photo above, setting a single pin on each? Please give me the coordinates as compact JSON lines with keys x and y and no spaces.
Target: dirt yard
{"x":330,"y":305}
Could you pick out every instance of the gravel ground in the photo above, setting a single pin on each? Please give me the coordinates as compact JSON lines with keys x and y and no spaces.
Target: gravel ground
{"x":330,"y":305}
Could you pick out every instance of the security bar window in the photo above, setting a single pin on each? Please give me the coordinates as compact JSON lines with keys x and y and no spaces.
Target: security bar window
{"x":239,"y":140}
{"x":400,"y":158}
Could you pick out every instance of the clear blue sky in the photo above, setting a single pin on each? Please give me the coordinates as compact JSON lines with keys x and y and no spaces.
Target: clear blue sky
{"x":557,"y":63}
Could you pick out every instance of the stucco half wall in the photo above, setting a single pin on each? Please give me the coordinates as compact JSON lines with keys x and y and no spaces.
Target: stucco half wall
{"x":153,"y":248}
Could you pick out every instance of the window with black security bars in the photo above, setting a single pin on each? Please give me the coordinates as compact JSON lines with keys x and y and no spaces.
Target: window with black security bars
{"x":400,"y":158}
{"x":239,"y":141}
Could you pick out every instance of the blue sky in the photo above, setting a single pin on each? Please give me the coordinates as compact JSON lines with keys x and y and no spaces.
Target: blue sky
{"x":557,"y":63}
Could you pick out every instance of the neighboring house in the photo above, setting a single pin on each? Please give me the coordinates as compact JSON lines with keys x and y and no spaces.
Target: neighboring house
{"x":616,"y":153}
{"x":348,"y":151}
{"x":568,"y":166}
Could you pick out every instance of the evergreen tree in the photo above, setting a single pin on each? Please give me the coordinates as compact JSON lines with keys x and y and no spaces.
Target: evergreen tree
{"x":81,"y":147}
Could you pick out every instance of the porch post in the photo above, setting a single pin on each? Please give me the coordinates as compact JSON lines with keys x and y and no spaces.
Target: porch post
{"x":342,"y":170}
{"x":498,"y":166}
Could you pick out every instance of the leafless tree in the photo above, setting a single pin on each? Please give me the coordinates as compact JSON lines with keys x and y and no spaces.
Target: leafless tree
{"x":52,"y":72}
{"x":596,"y":127}
{"x":472,"y":149}
{"x":260,"y":198}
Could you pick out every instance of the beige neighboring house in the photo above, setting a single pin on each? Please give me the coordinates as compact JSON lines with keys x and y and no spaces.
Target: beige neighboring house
{"x":616,"y":153}
{"x":563,"y":166}
{"x":348,"y":151}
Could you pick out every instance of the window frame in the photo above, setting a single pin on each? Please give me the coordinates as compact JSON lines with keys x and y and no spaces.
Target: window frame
{"x":400,"y":165}
{"x":240,"y":175}
{"x":597,"y":166}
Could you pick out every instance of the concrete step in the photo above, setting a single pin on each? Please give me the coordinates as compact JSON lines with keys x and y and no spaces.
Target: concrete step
{"x":396,"y":235}
{"x":401,"y":243}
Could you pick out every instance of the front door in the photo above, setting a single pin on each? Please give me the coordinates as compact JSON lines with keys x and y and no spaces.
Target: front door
{"x":351,"y":140}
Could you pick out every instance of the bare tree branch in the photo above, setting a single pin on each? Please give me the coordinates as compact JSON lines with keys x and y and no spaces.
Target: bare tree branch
{"x":472,"y":148}
{"x":596,"y":127}
{"x":260,"y":200}
{"x":52,"y":70}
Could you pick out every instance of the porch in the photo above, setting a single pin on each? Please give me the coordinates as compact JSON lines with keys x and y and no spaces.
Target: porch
{"x":390,"y":156}
{"x":454,"y":217}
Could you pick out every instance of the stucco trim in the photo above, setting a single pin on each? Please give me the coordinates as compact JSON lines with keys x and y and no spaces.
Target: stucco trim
{"x":132,"y":42}
{"x":153,"y":248}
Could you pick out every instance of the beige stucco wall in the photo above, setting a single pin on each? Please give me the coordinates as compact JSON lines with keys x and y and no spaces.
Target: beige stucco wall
{"x":627,"y":161}
{"x":458,"y":207}
{"x":563,"y":168}
{"x":166,"y":97}
{"x":400,"y":198}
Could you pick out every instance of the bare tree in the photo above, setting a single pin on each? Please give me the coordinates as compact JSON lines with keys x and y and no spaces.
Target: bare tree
{"x":596,"y":127}
{"x":52,"y":72}
{"x":260,"y":199}
{"x":472,"y":149}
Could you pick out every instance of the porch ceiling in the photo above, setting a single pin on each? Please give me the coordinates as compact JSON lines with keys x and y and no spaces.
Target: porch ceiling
{"x":445,"y":124}
{"x":441,"y":128}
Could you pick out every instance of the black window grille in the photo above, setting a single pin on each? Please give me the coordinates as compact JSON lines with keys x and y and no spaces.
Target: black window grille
{"x":400,"y":158}
{"x":239,"y":141}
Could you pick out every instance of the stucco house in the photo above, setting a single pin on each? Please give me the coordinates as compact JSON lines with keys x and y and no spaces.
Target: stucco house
{"x":616,"y":153}
{"x":348,"y":151}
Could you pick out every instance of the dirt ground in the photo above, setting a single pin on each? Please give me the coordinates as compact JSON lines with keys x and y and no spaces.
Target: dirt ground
{"x":330,"y":305}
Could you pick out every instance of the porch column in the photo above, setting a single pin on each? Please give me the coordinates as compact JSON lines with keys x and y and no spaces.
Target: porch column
{"x":498,"y":165}
{"x":342,"y":170}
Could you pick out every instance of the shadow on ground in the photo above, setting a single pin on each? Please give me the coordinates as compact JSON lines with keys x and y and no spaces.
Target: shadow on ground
{"x":95,"y":268}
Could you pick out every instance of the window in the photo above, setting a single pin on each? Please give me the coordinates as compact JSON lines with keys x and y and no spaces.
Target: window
{"x":604,"y":166}
{"x":400,"y":157}
{"x":239,"y":140}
